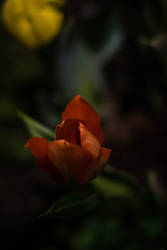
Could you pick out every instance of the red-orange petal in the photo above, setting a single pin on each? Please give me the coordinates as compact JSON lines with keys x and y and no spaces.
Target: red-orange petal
{"x":79,"y":109}
{"x":68,"y":158}
{"x":89,"y":142}
{"x":38,"y":147}
{"x":95,"y":167}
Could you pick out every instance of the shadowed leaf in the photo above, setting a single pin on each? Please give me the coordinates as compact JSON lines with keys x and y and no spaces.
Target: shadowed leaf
{"x":35,"y":128}
{"x":75,"y":204}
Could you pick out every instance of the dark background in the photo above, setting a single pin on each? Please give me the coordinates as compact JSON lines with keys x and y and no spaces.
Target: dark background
{"x":115,"y":55}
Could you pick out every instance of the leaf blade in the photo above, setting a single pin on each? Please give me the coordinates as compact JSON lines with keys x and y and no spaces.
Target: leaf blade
{"x":72,"y":205}
{"x":35,"y":128}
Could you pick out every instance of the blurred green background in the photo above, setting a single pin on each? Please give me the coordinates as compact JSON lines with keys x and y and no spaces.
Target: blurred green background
{"x":115,"y":55}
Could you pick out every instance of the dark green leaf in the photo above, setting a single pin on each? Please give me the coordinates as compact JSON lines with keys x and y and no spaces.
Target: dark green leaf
{"x":117,"y":184}
{"x":123,"y":177}
{"x":111,"y":188}
{"x":75,"y":204}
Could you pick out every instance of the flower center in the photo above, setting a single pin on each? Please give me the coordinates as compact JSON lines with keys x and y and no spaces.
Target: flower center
{"x":69,"y":131}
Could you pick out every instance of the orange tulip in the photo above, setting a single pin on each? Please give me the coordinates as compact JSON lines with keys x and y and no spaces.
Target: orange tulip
{"x":77,"y":152}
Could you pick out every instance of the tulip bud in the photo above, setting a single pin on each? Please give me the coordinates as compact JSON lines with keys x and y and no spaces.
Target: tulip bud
{"x":77,"y":152}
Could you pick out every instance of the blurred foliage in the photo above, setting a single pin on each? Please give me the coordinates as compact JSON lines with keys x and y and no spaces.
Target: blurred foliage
{"x":115,"y":55}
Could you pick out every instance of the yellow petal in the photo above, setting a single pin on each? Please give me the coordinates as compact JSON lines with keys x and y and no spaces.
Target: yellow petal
{"x":33,"y":22}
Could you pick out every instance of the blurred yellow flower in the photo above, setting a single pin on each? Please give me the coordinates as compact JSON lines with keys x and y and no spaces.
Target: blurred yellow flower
{"x":33,"y":22}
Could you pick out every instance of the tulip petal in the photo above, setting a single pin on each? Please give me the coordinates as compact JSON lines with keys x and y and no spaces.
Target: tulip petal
{"x":95,"y":167}
{"x":89,"y":141}
{"x":69,"y":131}
{"x":38,"y":147}
{"x":104,"y":157}
{"x":68,"y":158}
{"x":79,"y":109}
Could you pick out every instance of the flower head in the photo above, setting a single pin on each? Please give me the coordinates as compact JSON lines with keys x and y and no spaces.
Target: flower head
{"x":77,"y":151}
{"x":33,"y":22}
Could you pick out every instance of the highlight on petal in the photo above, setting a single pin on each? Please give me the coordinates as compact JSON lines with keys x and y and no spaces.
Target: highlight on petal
{"x":38,"y":147}
{"x":95,"y":167}
{"x":69,"y":131}
{"x":68,"y":158}
{"x":79,"y":109}
{"x":89,"y":141}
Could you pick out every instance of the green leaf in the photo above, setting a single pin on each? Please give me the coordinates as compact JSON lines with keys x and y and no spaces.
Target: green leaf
{"x":125,"y":178}
{"x":75,"y":204}
{"x":117,"y":184}
{"x":112,"y":188}
{"x":35,"y":128}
